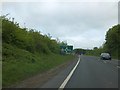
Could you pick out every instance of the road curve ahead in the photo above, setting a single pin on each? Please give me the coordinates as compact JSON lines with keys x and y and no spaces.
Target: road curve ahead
{"x":91,"y":72}
{"x":94,"y":73}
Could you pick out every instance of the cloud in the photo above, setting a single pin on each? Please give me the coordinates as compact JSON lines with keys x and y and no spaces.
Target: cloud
{"x":82,"y":24}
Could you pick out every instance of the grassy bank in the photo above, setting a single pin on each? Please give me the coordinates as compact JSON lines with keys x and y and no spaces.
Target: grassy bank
{"x":19,"y":64}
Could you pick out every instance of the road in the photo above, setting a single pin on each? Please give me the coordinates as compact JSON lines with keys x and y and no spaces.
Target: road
{"x":91,"y":72}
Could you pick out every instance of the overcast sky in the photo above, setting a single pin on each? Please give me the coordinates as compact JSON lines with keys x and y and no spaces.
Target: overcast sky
{"x":81,"y":24}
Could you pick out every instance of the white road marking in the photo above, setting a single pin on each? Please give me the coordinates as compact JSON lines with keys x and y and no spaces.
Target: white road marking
{"x":69,"y":76}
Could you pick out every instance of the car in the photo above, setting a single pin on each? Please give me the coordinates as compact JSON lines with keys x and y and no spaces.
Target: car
{"x":105,"y":56}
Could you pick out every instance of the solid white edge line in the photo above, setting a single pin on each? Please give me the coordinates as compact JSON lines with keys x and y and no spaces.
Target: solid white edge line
{"x":69,"y":76}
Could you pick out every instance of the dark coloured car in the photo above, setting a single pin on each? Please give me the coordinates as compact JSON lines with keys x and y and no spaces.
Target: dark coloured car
{"x":105,"y":56}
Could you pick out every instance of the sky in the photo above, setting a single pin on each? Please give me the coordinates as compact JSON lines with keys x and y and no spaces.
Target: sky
{"x":82,"y":24}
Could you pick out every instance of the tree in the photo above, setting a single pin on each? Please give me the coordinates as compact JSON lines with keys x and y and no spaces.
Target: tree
{"x":95,"y":48}
{"x":30,"y":40}
{"x":112,"y":43}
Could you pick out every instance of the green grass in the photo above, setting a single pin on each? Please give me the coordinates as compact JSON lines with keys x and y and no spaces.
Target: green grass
{"x":19,"y":64}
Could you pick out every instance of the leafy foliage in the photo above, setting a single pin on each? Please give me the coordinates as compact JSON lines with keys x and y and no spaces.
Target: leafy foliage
{"x":112,"y":44}
{"x":30,"y":40}
{"x":26,"y":52}
{"x":19,"y":64}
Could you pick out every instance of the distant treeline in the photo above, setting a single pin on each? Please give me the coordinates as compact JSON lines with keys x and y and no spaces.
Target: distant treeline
{"x":112,"y":44}
{"x":28,"y":39}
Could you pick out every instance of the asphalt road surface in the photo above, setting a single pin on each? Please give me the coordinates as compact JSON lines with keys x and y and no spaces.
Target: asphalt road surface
{"x":91,"y":72}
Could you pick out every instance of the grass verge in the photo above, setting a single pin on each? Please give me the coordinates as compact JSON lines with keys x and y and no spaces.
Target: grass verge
{"x":19,"y":64}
